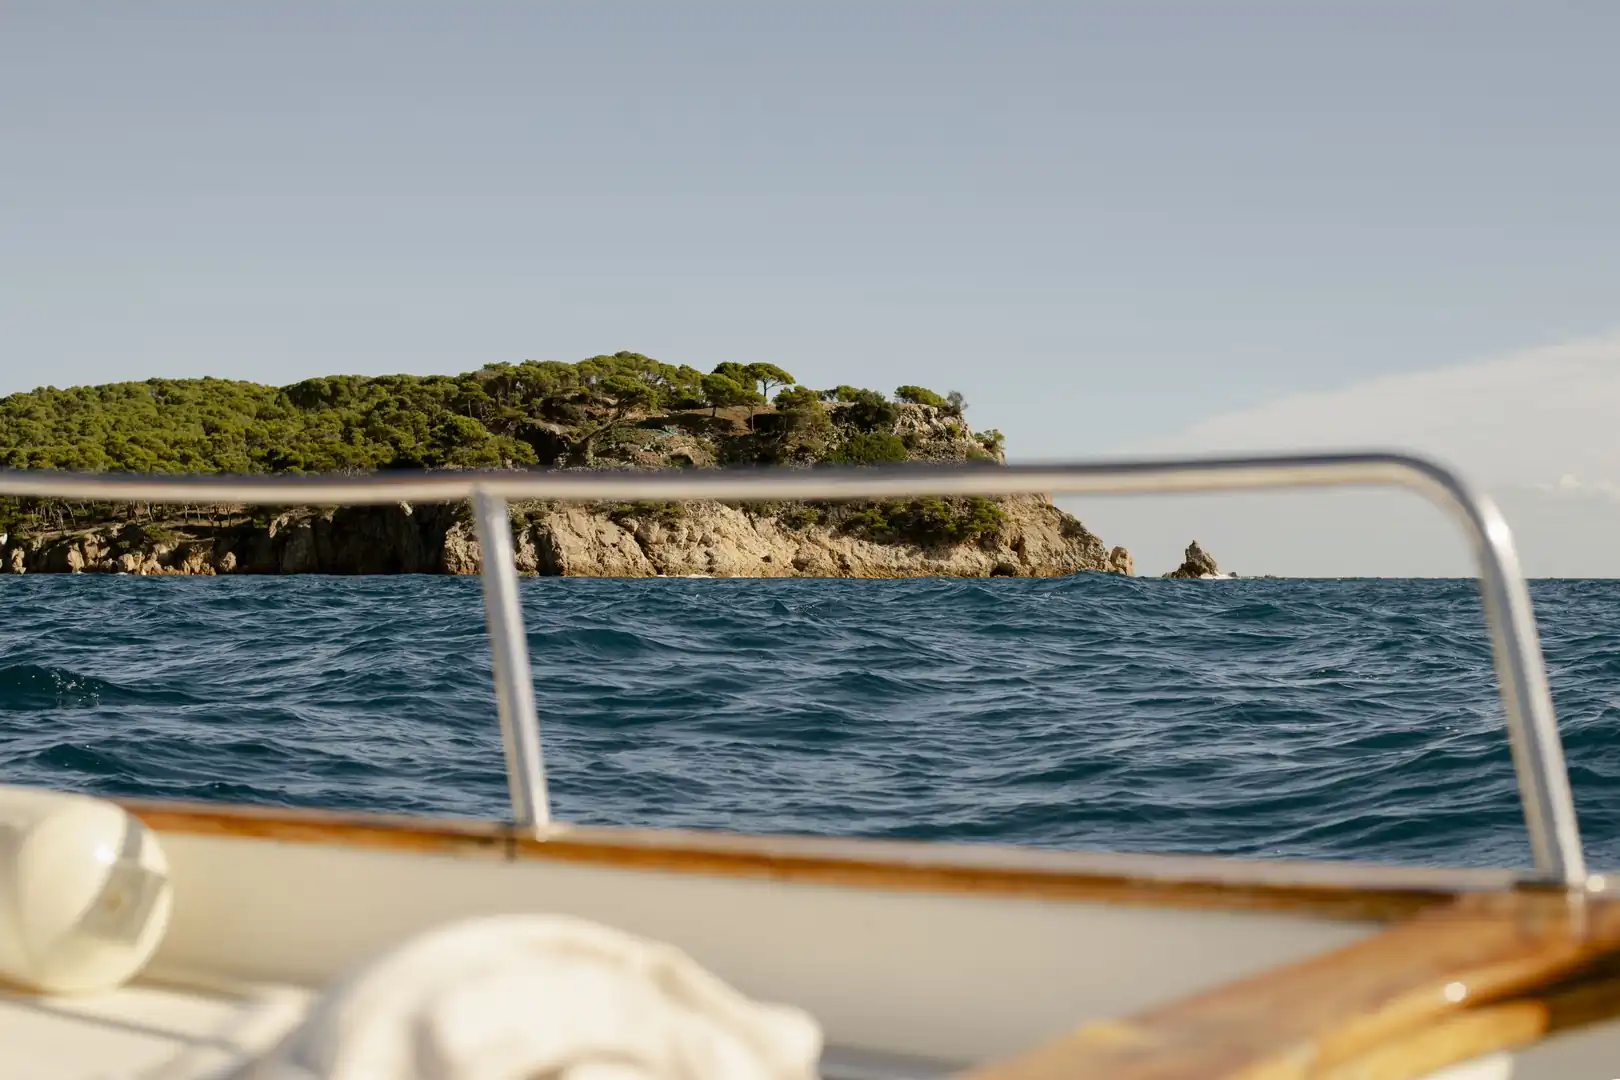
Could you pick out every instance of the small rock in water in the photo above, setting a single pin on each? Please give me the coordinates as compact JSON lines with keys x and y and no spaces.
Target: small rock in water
{"x":1196,"y":563}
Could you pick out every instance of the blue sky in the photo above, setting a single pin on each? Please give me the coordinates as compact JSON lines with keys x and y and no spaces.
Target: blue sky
{"x":1112,"y":227}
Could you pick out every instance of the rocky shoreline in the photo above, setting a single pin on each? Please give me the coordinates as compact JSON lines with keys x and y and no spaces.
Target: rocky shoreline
{"x":1032,"y":538}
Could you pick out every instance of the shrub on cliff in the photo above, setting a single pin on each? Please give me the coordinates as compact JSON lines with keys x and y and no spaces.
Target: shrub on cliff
{"x":927,"y":522}
{"x":664,"y":513}
{"x":864,"y":410}
{"x":799,"y":516}
{"x":871,"y":448}
{"x":799,"y":398}
{"x":919,"y":395}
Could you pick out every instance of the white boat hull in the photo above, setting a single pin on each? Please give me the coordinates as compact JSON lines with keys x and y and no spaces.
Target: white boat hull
{"x":917,"y":960}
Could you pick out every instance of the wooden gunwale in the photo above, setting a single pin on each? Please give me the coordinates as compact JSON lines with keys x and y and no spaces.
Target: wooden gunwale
{"x":1590,"y":995}
{"x":1486,"y":973}
{"x":1323,"y":889}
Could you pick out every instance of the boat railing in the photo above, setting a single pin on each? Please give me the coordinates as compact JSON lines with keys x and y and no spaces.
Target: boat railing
{"x":1538,"y":756}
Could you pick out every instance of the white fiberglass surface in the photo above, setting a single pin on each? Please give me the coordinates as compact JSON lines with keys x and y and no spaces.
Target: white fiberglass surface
{"x":953,"y":976}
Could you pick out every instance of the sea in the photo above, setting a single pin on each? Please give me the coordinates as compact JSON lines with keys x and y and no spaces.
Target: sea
{"x":1352,"y":719}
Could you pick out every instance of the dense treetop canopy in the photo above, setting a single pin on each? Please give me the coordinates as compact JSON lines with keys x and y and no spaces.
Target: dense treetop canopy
{"x":533,"y":413}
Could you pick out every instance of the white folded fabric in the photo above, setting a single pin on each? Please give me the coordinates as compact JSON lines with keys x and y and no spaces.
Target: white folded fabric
{"x":527,"y":997}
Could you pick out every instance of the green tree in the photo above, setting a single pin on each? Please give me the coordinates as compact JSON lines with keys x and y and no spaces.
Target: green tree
{"x":805,"y":426}
{"x":462,"y":442}
{"x":721,"y":392}
{"x":767,"y":376}
{"x":798,"y":397}
{"x":737,"y":373}
{"x":614,"y":393}
{"x":685,"y":389}
{"x":746,"y":376}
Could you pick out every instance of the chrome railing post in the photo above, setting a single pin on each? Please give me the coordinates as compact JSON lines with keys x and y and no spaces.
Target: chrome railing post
{"x":509,"y":652}
{"x":1538,"y":750}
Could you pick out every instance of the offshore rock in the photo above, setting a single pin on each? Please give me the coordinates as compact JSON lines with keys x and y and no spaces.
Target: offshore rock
{"x":1032,"y":539}
{"x":1195,"y":563}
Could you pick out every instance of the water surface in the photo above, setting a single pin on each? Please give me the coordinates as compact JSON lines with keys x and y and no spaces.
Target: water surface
{"x":1334,"y":718}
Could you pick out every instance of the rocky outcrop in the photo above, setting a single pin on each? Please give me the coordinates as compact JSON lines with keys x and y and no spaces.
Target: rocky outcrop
{"x":710,"y":539}
{"x":1197,"y":563}
{"x":1032,"y":538}
{"x":1120,"y":562}
{"x":355,"y":540}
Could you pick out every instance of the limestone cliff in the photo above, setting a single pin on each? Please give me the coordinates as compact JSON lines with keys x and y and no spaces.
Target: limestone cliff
{"x":1035,"y":539}
{"x":1029,"y":537}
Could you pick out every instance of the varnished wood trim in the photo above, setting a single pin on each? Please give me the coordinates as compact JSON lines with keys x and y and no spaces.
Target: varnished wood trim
{"x":1485,"y":973}
{"x":1333,"y":890}
{"x":1473,"y":1033}
{"x":1591,"y":995}
{"x":459,"y":836}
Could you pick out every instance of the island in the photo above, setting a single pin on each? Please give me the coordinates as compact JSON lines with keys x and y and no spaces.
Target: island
{"x":618,"y":411}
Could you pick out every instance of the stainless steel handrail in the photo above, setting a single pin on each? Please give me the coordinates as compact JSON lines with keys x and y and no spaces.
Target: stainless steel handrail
{"x":509,"y":657}
{"x":1538,"y":755}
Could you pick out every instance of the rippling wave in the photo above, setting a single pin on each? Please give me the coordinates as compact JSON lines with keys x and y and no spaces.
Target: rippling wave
{"x":1344,"y":719}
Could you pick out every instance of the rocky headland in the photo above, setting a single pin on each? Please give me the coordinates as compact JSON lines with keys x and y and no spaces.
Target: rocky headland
{"x":621,"y":412}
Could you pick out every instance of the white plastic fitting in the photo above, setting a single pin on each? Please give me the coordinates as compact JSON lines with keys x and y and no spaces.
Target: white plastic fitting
{"x":84,"y":892}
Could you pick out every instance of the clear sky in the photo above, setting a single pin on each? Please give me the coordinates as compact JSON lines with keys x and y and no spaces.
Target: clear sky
{"x":1114,"y":227}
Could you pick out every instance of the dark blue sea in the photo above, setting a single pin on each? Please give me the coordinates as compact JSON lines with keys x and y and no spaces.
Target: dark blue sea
{"x":1353,"y":719}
